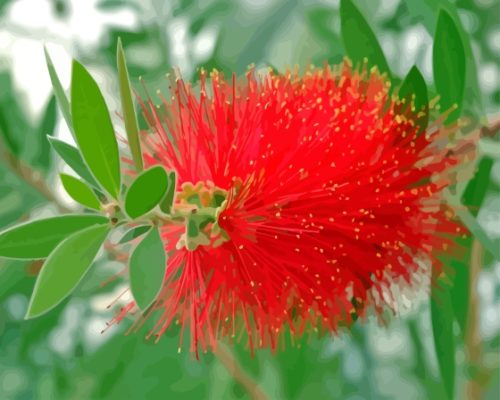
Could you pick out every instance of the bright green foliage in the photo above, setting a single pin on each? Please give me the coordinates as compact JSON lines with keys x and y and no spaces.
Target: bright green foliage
{"x":134,"y":233}
{"x":36,"y":239}
{"x":64,"y":268}
{"x":427,"y":12}
{"x":146,"y":192}
{"x":444,"y":342}
{"x":80,"y":192}
{"x":475,"y":192}
{"x":59,"y":92}
{"x":359,"y":40}
{"x":94,"y":131}
{"x":448,"y":62}
{"x":19,"y":138}
{"x":414,"y":89}
{"x":192,"y":229}
{"x":167,"y":202}
{"x":13,"y":125}
{"x":147,"y":269}
{"x":460,"y":291}
{"x":40,"y":156}
{"x":129,"y":115}
{"x":72,"y":157}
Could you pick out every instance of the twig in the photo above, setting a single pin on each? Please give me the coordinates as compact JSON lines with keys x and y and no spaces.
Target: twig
{"x":30,"y":176}
{"x":490,"y":130}
{"x":235,"y":369}
{"x":473,"y":346}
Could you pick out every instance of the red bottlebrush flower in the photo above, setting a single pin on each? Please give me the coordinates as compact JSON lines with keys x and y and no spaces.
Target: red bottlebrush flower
{"x":310,"y":197}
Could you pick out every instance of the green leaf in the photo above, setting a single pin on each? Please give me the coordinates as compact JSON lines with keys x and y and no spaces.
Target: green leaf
{"x":359,"y":40}
{"x":477,"y":187}
{"x":146,"y":192}
{"x":72,"y":157}
{"x":448,"y":63}
{"x":147,"y":269}
{"x":444,"y":342}
{"x":414,"y":89}
{"x":426,"y":12}
{"x":192,"y":229}
{"x":94,"y":131}
{"x":6,"y":134}
{"x":59,"y":92}
{"x":36,"y":239}
{"x":134,"y":233}
{"x":13,"y":122}
{"x":460,"y":290}
{"x":47,"y":127}
{"x":167,"y":202}
{"x":64,"y":268}
{"x":80,"y":192}
{"x":129,"y":115}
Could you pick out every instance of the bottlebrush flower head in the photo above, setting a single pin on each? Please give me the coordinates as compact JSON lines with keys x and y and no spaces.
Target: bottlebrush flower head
{"x":310,"y":197}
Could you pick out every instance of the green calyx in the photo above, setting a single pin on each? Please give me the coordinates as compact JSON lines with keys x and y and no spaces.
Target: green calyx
{"x":198,"y":208}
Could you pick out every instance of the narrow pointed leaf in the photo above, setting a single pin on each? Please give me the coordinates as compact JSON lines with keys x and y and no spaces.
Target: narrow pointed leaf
{"x":414,"y":89}
{"x":460,"y":290}
{"x":36,"y":239}
{"x":444,"y":342}
{"x":59,"y":92}
{"x":72,"y":157}
{"x":427,"y":13}
{"x":146,"y":192}
{"x":129,"y":114}
{"x":64,"y":269}
{"x":40,"y":156}
{"x":477,"y":187}
{"x":359,"y":40}
{"x":94,"y":131}
{"x":448,"y":64}
{"x":147,"y":269}
{"x":12,"y":118}
{"x":6,"y":134}
{"x":80,"y":192}
{"x":134,"y":233}
{"x":168,"y":200}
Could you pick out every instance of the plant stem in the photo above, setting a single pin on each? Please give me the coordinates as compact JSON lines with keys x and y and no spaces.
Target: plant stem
{"x":473,"y":346}
{"x":32,"y":177}
{"x":239,"y":374}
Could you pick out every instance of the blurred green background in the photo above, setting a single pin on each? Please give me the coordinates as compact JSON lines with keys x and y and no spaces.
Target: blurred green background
{"x":63,"y":355}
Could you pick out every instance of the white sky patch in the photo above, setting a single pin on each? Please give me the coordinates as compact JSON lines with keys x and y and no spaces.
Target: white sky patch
{"x":489,"y":77}
{"x":494,"y":40}
{"x":489,"y":216}
{"x":204,"y":43}
{"x":92,"y":333}
{"x":28,"y":24}
{"x":415,"y":48}
{"x":177,"y":33}
{"x":387,"y":8}
{"x":101,"y":302}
